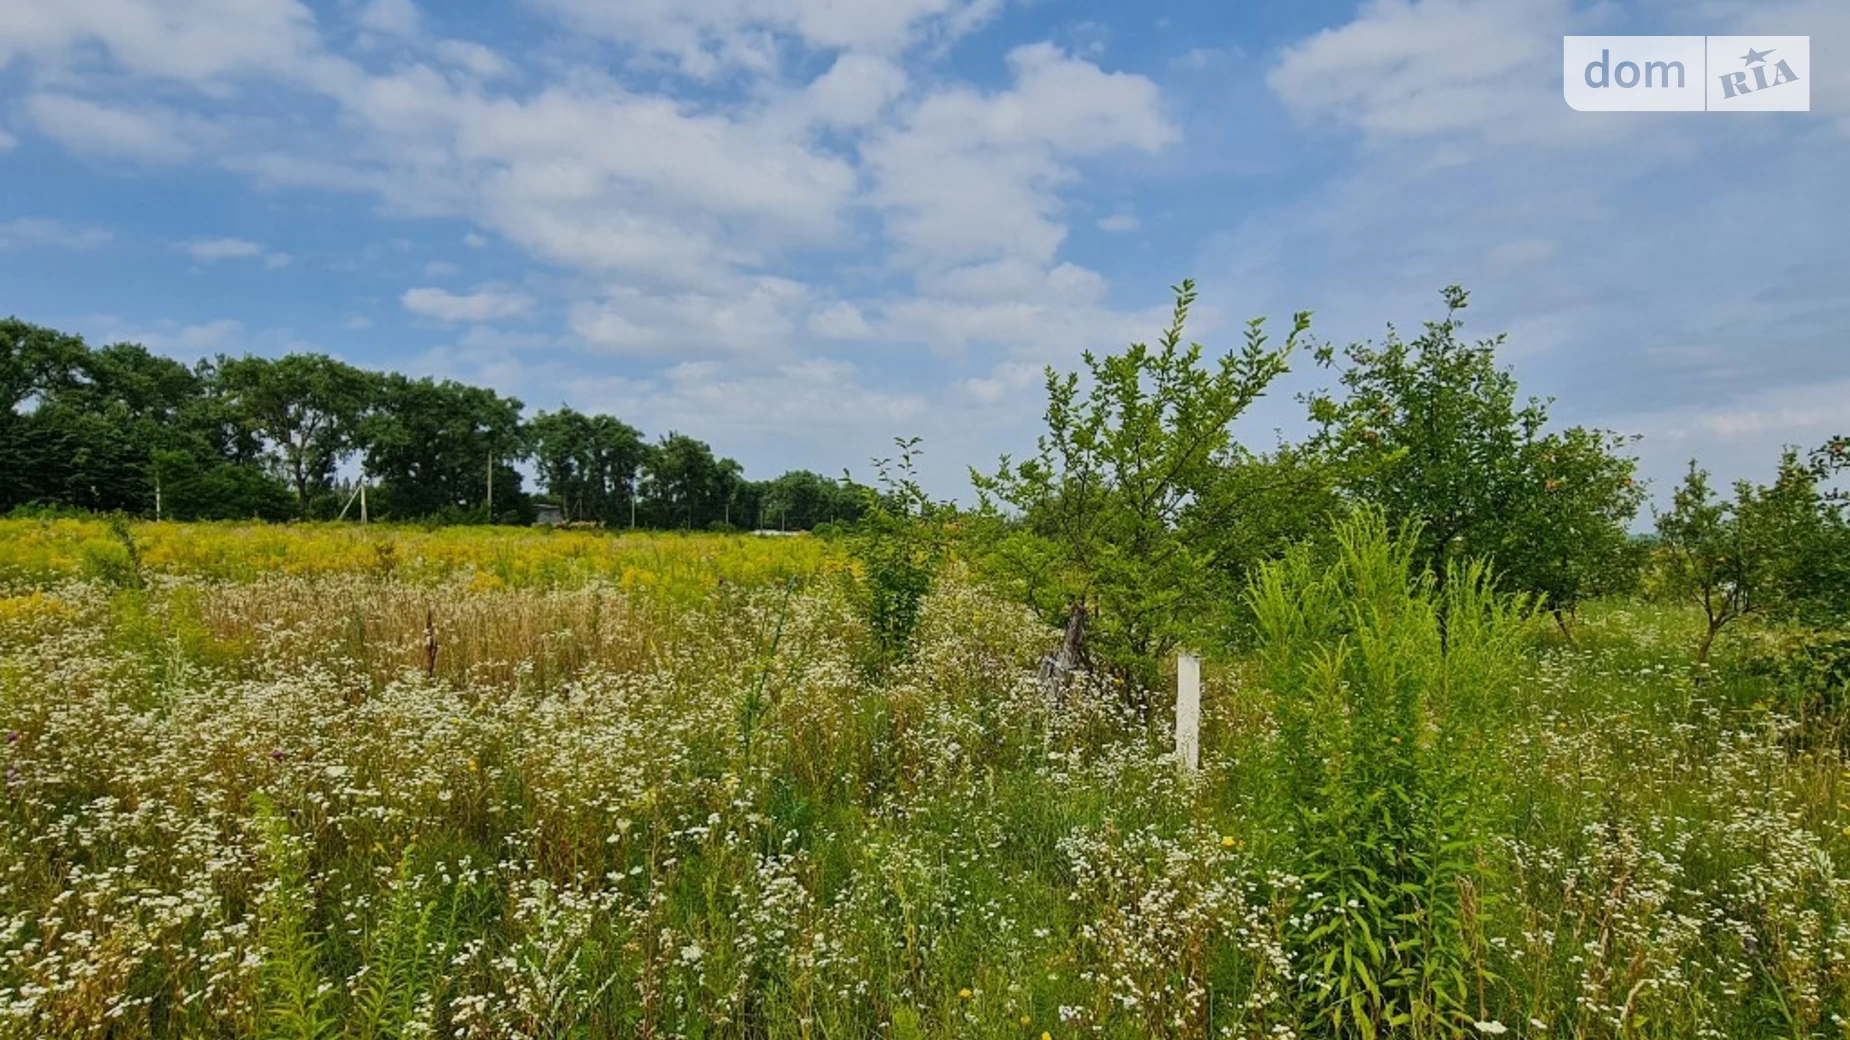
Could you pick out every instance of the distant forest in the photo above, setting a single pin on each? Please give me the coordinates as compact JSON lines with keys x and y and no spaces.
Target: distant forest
{"x":120,"y":428}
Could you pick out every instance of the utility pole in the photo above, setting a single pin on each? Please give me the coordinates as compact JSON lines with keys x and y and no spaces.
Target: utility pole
{"x":362,"y":498}
{"x":491,"y":487}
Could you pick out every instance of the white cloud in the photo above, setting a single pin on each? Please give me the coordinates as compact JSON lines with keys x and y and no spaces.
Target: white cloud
{"x":1741,"y":436}
{"x":840,"y":320}
{"x":1409,"y":69}
{"x":37,"y":232}
{"x":441,"y":269}
{"x":825,"y":404}
{"x":754,"y":317}
{"x":7,"y":140}
{"x":473,"y":58}
{"x":972,"y":176}
{"x":149,"y":133}
{"x":705,"y":37}
{"x":487,"y":305}
{"x":474,"y":241}
{"x":855,"y":90}
{"x":391,"y":17}
{"x":587,"y":174}
{"x":1045,"y":329}
{"x":197,"y":41}
{"x":194,"y":340}
{"x":209,"y":249}
{"x":212,"y":250}
{"x":357,"y":323}
{"x":1119,"y":223}
{"x":487,"y":337}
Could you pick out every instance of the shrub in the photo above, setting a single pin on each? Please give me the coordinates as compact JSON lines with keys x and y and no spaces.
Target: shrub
{"x":899,"y":543}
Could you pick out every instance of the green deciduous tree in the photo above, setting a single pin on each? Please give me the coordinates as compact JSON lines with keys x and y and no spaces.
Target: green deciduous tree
{"x":1781,"y":549}
{"x":799,"y":500}
{"x":307,"y":407}
{"x":1710,"y":557}
{"x":1113,"y":537}
{"x":444,"y":449}
{"x":1803,"y":535}
{"x":687,"y":486}
{"x":1569,"y":538}
{"x":34,"y":362}
{"x":592,"y":463}
{"x":1432,"y":430}
{"x":121,"y":428}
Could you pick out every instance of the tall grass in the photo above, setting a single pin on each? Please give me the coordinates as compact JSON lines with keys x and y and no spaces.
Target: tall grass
{"x":258,"y":804}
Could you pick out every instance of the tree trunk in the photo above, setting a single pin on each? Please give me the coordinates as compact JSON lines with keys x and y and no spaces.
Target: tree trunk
{"x":1561,"y":623}
{"x":1057,"y":668}
{"x":1702,"y":651}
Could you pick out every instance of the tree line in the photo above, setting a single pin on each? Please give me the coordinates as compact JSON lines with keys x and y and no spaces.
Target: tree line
{"x":119,"y":428}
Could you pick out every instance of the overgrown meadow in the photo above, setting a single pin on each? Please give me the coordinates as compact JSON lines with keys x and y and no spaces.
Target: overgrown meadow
{"x":316,"y":782}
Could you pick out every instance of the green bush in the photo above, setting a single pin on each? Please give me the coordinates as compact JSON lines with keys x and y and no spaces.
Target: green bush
{"x":899,"y":544}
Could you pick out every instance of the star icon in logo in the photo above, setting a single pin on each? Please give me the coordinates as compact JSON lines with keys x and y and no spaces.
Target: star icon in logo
{"x":1754,"y":57}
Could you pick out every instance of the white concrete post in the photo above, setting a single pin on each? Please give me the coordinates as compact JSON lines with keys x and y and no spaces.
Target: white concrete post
{"x":1188,"y":711}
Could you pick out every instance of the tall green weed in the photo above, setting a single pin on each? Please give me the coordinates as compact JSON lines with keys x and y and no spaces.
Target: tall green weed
{"x":1382,"y":678}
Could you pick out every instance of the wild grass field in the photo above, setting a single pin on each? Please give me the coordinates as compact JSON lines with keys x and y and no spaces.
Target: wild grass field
{"x":316,"y":781}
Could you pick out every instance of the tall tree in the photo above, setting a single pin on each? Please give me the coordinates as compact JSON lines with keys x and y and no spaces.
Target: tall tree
{"x":591,"y":462}
{"x":34,"y":361}
{"x":686,"y":485}
{"x":307,"y":407}
{"x":444,"y":448}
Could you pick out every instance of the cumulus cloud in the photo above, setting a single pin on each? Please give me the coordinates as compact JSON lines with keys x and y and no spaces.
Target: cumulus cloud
{"x":486,"y":305}
{"x":970,"y":176}
{"x":855,"y":90}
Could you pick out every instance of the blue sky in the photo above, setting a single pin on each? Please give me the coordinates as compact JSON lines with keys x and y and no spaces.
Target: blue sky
{"x":799,"y":228}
